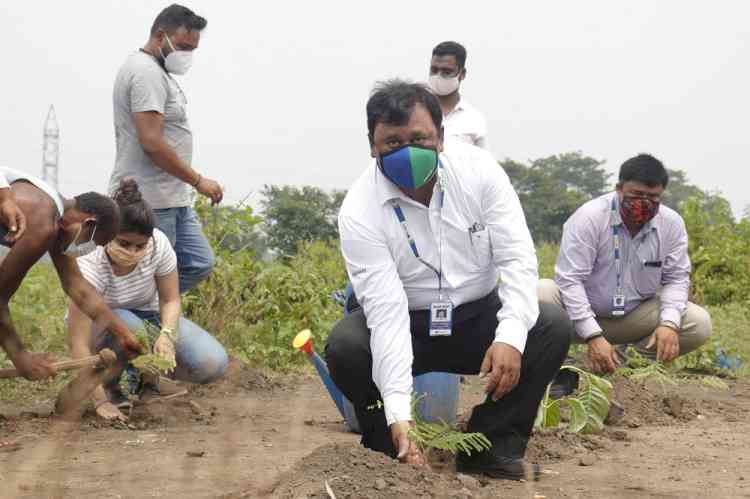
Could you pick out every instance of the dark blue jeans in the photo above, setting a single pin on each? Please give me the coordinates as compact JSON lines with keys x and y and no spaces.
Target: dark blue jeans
{"x":195,"y":258}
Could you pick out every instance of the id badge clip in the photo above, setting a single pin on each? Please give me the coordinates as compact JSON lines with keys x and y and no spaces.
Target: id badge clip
{"x":441,"y":319}
{"x":618,"y":304}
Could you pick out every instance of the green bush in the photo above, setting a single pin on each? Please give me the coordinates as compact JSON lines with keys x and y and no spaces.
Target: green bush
{"x":546,"y":253}
{"x":255,"y":308}
{"x":719,"y":250}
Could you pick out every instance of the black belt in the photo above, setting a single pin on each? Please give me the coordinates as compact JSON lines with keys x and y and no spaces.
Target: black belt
{"x":471,"y":309}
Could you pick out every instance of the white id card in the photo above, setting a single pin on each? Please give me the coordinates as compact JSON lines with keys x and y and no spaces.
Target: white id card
{"x":441,"y":318}
{"x":618,"y":305}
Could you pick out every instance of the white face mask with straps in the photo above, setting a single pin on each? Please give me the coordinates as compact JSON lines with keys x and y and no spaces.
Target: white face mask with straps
{"x":443,"y":85}
{"x":77,"y":250}
{"x":178,"y":61}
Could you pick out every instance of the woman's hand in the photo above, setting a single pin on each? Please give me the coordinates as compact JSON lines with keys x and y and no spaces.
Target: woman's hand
{"x":164,"y":346}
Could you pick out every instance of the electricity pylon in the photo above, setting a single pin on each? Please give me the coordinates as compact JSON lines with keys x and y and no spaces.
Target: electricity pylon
{"x":51,"y":152}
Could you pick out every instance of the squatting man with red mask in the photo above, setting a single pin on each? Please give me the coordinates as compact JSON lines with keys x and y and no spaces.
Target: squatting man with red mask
{"x":623,"y":272}
{"x":427,"y":234}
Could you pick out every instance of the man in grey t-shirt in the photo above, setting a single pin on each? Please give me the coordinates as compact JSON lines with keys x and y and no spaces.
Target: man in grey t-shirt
{"x":154,"y":140}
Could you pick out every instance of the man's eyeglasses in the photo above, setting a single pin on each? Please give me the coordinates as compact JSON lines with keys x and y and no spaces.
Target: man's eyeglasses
{"x":643,"y":195}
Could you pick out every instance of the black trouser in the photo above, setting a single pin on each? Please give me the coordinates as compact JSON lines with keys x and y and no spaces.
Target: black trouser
{"x":507,"y":422}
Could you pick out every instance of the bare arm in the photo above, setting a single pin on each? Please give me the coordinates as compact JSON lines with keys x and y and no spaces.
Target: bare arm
{"x":13,"y":269}
{"x":91,"y":304}
{"x":11,"y":215}
{"x":79,"y":332}
{"x":150,"y":128}
{"x":169,"y":300}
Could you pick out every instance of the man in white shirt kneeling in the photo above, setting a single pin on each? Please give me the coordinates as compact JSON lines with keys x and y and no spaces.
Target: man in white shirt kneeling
{"x":426,"y":234}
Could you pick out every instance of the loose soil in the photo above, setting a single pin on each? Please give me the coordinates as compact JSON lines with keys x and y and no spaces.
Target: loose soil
{"x":253,"y":436}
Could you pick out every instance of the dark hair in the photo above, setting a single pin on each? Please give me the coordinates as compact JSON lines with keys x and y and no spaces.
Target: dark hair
{"x":135,"y":213}
{"x":104,"y":209}
{"x":175,"y":17}
{"x":645,"y":169}
{"x":392,"y":102}
{"x":451,"y":48}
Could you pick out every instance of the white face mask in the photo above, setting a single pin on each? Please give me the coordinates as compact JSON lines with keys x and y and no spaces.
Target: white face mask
{"x":178,"y":61}
{"x":78,"y":250}
{"x":443,"y":86}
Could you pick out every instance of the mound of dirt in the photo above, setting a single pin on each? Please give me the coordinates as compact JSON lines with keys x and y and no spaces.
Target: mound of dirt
{"x":238,"y":377}
{"x":552,"y":445}
{"x":355,"y":472}
{"x":653,"y":405}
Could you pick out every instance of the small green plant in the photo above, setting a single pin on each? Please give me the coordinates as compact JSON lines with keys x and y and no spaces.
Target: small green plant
{"x":151,"y":362}
{"x":654,"y":371}
{"x":443,"y":436}
{"x":714,"y":382}
{"x":587,"y":410}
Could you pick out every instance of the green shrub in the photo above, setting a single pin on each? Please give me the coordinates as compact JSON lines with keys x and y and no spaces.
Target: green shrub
{"x":546,"y":253}
{"x":719,"y":250}
{"x":255,"y":308}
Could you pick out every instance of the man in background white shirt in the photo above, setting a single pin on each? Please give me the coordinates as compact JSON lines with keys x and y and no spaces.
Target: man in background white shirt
{"x":460,"y":119}
{"x":426,"y":235}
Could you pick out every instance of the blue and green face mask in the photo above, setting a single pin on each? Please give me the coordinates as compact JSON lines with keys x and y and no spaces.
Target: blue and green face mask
{"x":409,"y":166}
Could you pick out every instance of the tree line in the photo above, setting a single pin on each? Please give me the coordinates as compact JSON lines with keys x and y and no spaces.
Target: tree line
{"x":550,"y":190}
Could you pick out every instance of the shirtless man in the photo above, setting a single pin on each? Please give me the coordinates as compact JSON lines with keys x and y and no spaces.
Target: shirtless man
{"x":10,"y":216}
{"x":66,"y":228}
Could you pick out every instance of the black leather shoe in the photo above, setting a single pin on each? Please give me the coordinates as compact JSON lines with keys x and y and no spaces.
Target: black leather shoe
{"x":564,"y":383}
{"x":504,"y":468}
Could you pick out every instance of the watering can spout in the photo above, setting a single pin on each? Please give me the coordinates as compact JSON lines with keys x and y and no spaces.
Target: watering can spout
{"x":303,"y":343}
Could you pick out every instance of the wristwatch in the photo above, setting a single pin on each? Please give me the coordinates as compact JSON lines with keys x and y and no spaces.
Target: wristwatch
{"x":169,"y":333}
{"x":671,"y":325}
{"x":593,"y":337}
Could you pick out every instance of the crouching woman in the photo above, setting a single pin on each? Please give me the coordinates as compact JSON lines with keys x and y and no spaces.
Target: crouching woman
{"x":136,"y":274}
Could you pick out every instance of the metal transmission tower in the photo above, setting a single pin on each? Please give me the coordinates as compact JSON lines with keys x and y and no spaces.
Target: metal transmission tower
{"x":51,"y":152}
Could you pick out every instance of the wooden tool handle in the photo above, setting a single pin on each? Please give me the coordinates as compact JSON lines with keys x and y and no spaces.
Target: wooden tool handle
{"x":64,"y":365}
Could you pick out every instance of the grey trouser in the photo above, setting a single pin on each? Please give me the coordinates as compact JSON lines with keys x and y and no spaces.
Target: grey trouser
{"x":637,"y":326}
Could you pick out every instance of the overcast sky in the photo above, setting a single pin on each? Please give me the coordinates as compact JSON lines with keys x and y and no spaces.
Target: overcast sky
{"x":277,"y":90}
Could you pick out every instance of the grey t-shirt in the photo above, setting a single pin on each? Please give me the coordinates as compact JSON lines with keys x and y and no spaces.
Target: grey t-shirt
{"x":143,"y":85}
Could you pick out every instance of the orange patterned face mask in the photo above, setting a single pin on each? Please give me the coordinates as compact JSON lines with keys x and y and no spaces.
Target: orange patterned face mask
{"x":638,"y":211}
{"x":124,"y":257}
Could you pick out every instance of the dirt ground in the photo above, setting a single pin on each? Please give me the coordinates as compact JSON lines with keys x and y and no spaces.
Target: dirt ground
{"x":250,"y":436}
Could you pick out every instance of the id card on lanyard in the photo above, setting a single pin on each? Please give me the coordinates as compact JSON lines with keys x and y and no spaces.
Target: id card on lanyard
{"x":441,"y":311}
{"x":618,"y":300}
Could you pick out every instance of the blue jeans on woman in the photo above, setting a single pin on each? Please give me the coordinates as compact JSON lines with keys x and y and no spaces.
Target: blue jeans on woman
{"x":200,"y":358}
{"x":195,"y":258}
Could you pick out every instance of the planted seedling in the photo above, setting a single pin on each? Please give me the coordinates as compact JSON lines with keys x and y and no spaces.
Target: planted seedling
{"x":443,"y":436}
{"x":587,"y":409}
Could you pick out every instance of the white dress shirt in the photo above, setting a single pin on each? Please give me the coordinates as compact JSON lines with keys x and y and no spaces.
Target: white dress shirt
{"x":388,"y":280}
{"x":465,"y":123}
{"x":3,"y":182}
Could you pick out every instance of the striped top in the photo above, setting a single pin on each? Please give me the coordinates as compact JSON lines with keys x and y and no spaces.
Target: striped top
{"x":136,"y":290}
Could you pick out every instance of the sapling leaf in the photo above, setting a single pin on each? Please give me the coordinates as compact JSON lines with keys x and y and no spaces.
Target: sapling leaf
{"x":443,"y":436}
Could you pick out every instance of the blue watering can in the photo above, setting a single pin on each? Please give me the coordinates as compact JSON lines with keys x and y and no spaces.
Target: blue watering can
{"x":437,"y":392}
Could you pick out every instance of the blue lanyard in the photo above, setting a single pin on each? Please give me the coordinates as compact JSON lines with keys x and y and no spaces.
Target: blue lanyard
{"x":413,"y":244}
{"x":616,"y":241}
